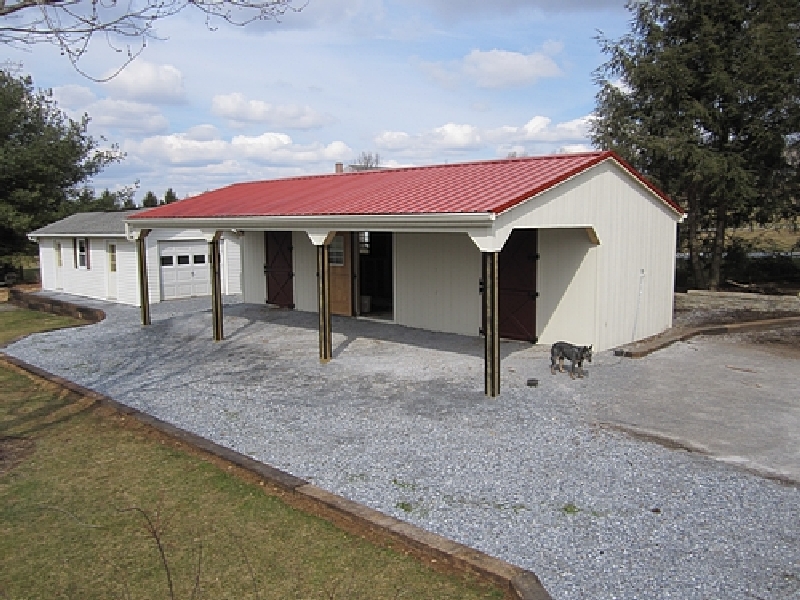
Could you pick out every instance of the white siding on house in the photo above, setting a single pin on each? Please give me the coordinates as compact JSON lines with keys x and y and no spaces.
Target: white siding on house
{"x":91,"y":282}
{"x":567,"y":285}
{"x":231,"y":265}
{"x":47,"y":264}
{"x":436,"y":282}
{"x":304,"y":259}
{"x":127,"y":273}
{"x":254,"y":283}
{"x":636,"y":231}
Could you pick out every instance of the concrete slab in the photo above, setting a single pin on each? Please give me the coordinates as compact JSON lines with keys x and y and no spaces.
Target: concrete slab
{"x":732,"y":400}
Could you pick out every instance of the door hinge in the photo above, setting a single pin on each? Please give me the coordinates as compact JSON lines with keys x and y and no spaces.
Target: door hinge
{"x":481,"y":286}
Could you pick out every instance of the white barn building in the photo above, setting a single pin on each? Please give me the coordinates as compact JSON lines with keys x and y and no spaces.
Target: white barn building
{"x":577,"y":247}
{"x":87,"y":254}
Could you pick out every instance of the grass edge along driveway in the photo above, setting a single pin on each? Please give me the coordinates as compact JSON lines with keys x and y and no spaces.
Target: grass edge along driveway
{"x":94,"y":504}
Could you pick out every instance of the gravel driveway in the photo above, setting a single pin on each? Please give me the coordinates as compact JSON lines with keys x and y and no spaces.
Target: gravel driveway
{"x":398,"y":421}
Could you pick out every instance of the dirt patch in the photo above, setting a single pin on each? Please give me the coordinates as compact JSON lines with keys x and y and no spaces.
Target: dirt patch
{"x":783,"y":342}
{"x":14,"y":450}
{"x":698,"y":317}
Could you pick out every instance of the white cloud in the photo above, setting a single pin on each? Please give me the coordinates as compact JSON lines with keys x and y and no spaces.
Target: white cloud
{"x":574,"y":148}
{"x":128,"y":116}
{"x":495,"y":69}
{"x":264,"y":149}
{"x":539,"y":129}
{"x":503,"y":69}
{"x":141,"y":80}
{"x":239,"y":110}
{"x":453,"y":137}
{"x":202,"y":133}
{"x":463,"y":9}
{"x":178,"y":149}
{"x":73,"y":97}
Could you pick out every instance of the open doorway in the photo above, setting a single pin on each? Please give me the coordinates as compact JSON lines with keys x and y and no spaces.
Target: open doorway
{"x":375,"y":298}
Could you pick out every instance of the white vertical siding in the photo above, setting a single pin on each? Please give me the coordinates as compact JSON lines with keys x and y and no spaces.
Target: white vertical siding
{"x":304,"y":264}
{"x":253,"y":281}
{"x":47,"y":263}
{"x":127,"y":273}
{"x":436,"y":282}
{"x":232,"y":265}
{"x":567,"y":284}
{"x":636,"y":231}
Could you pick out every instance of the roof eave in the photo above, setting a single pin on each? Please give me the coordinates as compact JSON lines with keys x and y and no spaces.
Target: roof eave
{"x":404,"y":222}
{"x":33,"y":236}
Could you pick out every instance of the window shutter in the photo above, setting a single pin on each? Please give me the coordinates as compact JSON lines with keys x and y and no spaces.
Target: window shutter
{"x":75,"y":252}
{"x":88,"y":265}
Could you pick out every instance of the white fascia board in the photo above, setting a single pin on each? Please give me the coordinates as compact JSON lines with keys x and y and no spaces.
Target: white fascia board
{"x":35,"y":237}
{"x":422,"y":223}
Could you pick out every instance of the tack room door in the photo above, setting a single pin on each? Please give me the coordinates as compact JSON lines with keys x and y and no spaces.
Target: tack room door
{"x":278,"y":269}
{"x":517,"y":286}
{"x":341,"y":268}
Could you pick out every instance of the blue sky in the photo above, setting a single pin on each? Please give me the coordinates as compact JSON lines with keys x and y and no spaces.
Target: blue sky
{"x":419,"y":82}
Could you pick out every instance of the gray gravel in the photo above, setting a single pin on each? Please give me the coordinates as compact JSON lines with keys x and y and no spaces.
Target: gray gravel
{"x":398,"y":421}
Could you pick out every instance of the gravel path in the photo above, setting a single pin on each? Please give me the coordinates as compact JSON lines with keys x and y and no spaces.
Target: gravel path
{"x":398,"y":421}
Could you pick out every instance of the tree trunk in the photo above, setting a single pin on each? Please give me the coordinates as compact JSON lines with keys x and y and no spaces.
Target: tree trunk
{"x":717,"y":248}
{"x":694,"y":248}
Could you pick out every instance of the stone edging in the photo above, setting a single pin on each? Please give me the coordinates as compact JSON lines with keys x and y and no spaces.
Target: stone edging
{"x":518,"y":583}
{"x":53,"y":306}
{"x":640,"y":349}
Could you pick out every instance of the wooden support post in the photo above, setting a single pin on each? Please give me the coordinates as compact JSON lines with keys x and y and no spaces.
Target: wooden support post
{"x":324,"y":303}
{"x":216,"y":287}
{"x":144,"y":289}
{"x":491,"y":263}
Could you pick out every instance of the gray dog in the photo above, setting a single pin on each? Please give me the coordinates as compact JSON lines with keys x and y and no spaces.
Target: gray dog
{"x":575,"y":354}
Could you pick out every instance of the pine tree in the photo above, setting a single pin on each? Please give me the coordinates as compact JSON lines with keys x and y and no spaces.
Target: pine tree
{"x":703,"y":96}
{"x":149,"y":200}
{"x":169,"y":196}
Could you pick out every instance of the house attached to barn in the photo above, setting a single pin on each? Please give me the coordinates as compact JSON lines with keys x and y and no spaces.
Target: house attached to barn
{"x":578,"y":247}
{"x":87,"y":254}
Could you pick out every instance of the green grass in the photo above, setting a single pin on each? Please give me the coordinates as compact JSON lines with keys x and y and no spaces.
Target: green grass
{"x":77,"y":481}
{"x":16,"y":323}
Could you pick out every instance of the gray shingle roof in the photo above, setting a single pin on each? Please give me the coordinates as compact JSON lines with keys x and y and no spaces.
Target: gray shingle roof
{"x":87,"y":224}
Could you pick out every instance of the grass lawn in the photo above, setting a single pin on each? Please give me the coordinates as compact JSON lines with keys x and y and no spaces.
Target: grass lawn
{"x":79,"y":482}
{"x":16,"y":323}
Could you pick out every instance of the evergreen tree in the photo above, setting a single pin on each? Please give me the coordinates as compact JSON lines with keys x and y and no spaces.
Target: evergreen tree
{"x":703,"y":96}
{"x":149,"y":200}
{"x":169,"y":196}
{"x":44,"y":157}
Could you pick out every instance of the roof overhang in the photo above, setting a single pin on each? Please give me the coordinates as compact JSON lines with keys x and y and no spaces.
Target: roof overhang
{"x":34,"y":237}
{"x":422,"y":223}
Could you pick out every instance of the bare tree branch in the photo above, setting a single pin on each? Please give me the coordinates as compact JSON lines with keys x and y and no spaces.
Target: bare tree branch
{"x":126,"y":25}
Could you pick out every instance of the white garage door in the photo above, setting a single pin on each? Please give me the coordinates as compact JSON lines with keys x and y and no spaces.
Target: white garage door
{"x":184,"y":269}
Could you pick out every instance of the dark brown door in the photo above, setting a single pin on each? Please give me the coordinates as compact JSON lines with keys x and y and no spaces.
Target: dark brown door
{"x":279,"y":268}
{"x":341,"y":261}
{"x":517,"y":286}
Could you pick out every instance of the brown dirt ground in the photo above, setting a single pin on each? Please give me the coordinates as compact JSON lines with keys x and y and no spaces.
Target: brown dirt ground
{"x":781,"y":341}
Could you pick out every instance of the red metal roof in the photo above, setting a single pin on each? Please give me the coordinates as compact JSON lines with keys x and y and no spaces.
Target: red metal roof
{"x":477,"y":187}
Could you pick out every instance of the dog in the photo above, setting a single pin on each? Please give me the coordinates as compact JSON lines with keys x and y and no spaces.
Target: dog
{"x":575,"y":354}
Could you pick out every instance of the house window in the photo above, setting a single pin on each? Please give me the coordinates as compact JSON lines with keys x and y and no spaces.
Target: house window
{"x":199,"y":259}
{"x":166,"y":261}
{"x":363,"y":242}
{"x":336,"y":252}
{"x":183,"y":259}
{"x":83,"y":253}
{"x":112,"y":258}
